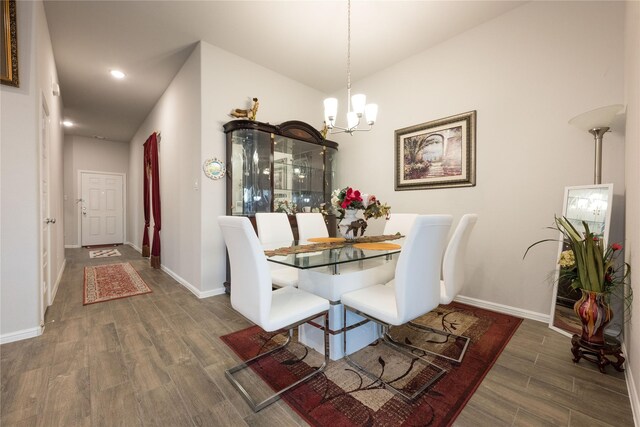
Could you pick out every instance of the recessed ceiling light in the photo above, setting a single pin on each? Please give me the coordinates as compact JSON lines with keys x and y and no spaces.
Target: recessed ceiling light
{"x":117,"y":74}
{"x":67,"y":123}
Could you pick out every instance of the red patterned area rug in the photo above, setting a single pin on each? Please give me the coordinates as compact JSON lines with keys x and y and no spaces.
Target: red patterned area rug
{"x":342,"y":397}
{"x":112,"y":281}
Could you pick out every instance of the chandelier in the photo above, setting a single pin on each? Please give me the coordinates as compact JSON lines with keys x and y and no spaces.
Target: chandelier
{"x":356,"y":105}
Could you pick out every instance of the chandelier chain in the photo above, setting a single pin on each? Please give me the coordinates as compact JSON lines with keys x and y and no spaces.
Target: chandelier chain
{"x":348,"y":55}
{"x":363,"y":110}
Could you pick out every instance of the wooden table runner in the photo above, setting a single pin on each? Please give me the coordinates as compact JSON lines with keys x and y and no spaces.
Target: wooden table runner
{"x":299,"y":249}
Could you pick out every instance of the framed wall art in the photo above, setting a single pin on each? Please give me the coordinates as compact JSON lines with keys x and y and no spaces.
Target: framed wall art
{"x":437,"y":154}
{"x":9,"y":47}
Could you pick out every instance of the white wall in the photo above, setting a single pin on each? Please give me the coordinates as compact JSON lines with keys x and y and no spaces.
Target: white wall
{"x":526,"y":73}
{"x":88,"y":154}
{"x":20,"y":181}
{"x":190,"y":115}
{"x":632,"y":178}
{"x":228,"y":82}
{"x":177,"y":116}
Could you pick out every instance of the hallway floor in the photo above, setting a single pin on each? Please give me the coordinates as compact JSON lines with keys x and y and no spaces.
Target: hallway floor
{"x":156,"y":359}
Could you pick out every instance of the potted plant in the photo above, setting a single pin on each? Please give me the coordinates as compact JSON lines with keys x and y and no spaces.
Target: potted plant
{"x":589,"y":266}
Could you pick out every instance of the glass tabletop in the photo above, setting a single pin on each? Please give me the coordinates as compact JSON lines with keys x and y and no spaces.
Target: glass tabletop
{"x":329,"y":257}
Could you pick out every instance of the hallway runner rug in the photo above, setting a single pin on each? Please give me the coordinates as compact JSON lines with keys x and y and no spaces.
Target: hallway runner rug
{"x":112,"y":281}
{"x":104,"y":253}
{"x":343,"y":397}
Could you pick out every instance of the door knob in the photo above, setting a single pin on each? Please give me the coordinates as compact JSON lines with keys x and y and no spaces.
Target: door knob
{"x":49,"y":220}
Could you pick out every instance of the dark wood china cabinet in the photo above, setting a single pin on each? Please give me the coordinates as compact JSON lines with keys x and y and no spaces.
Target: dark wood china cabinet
{"x":271,"y":168}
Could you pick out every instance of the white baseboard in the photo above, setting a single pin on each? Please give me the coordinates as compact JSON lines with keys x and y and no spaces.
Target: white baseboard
{"x":72,"y":246}
{"x":192,"y":289}
{"x":507,"y":309}
{"x":631,"y":388}
{"x":20,"y":335}
{"x":198,"y":293}
{"x":55,"y":287}
{"x":133,"y":246}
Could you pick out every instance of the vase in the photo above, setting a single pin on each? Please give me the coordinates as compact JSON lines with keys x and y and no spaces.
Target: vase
{"x":595,"y":314}
{"x":350,"y":226}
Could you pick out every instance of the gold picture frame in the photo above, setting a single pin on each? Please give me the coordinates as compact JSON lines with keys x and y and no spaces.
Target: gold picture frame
{"x":437,"y":154}
{"x":9,"y":48}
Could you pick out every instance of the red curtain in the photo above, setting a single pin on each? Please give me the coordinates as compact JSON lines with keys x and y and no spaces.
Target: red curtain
{"x":151,"y":179}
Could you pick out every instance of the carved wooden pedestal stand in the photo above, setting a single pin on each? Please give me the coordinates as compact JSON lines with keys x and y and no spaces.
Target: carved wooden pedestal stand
{"x":598,"y":353}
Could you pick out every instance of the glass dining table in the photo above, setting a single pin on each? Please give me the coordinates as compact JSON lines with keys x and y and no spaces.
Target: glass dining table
{"x":330,"y":254}
{"x":330,"y":269}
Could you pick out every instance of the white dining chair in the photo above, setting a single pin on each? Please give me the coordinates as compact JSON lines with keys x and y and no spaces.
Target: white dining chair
{"x":414,"y":291}
{"x":311,"y":225}
{"x":399,"y":223}
{"x":274,"y":230}
{"x":453,"y":267}
{"x":253,"y":297}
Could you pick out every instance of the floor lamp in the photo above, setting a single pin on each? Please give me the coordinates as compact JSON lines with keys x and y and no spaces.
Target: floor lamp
{"x":597,"y":123}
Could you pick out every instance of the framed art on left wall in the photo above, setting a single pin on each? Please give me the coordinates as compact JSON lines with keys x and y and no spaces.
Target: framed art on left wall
{"x":9,"y":48}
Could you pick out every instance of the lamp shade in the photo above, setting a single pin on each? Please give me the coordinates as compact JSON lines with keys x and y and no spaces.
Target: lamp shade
{"x":330,"y":109}
{"x":598,"y":118}
{"x":371,"y":113}
{"x":352,"y":120}
{"x":358,"y":102}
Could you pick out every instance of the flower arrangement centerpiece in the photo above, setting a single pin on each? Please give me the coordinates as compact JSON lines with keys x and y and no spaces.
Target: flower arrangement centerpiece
{"x":589,"y":266}
{"x":348,"y":201}
{"x":283,"y":205}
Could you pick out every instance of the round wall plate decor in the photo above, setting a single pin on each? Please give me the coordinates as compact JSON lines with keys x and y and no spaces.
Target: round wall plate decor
{"x":214,"y":168}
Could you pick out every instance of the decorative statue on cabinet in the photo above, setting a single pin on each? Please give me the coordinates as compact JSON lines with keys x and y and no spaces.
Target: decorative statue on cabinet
{"x":249,"y":113}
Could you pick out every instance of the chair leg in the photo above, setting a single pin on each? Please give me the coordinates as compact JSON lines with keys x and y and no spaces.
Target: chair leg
{"x":376,"y":378}
{"x":447,"y":335}
{"x":257,"y":406}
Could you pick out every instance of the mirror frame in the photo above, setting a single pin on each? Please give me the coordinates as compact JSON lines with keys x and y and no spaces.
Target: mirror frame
{"x":607,"y":226}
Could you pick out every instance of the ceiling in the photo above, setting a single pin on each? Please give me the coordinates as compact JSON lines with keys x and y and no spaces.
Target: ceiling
{"x":150,"y":40}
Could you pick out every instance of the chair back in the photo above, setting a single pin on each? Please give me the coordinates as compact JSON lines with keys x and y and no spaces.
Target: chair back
{"x":250,"y":274}
{"x":311,"y":225}
{"x":417,"y":279}
{"x":273,"y":227}
{"x":399,"y":223}
{"x":453,"y":263}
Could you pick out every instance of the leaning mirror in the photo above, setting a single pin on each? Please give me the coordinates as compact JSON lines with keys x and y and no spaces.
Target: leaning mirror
{"x":592,"y":204}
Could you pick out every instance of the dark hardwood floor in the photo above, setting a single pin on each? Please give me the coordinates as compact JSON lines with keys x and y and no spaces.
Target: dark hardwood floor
{"x":156,"y":359}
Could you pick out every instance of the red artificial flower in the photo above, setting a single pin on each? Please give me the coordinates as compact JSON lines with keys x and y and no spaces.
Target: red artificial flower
{"x":616,"y":246}
{"x":607,"y":278}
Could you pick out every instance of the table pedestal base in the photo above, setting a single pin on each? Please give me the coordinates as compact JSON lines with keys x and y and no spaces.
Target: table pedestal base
{"x":352,"y":276}
{"x":311,"y":334}
{"x":598,"y":353}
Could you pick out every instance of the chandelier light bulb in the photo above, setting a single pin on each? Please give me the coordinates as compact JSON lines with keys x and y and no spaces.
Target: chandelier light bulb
{"x":352,"y":120}
{"x":357,"y":103}
{"x":371,"y":113}
{"x":330,"y":111}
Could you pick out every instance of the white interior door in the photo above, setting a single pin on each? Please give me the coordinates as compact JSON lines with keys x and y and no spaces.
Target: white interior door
{"x":101,"y":209}
{"x":47,"y":221}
